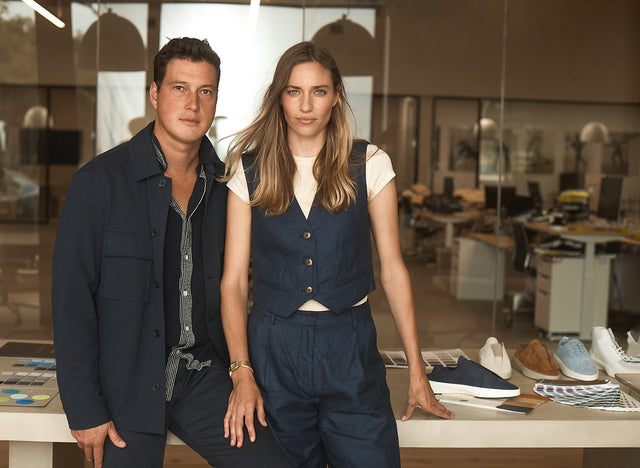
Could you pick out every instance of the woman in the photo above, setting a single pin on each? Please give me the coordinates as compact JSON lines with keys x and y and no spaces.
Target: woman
{"x":300,"y":202}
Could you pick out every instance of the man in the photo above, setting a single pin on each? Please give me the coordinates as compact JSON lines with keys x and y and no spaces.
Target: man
{"x":136,"y":299}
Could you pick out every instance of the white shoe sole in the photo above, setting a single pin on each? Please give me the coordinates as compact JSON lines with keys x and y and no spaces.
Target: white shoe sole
{"x":442,"y":387}
{"x":571,"y":373}
{"x":603,"y":365}
{"x":621,"y":367}
{"x":531,"y":373}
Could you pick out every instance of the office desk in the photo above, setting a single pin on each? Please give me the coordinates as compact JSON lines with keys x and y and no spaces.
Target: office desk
{"x":630,"y":239}
{"x":31,"y":432}
{"x":502,"y":242}
{"x":593,"y":312}
{"x":449,"y":220}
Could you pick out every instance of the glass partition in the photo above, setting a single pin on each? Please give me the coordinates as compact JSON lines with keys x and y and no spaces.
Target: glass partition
{"x":464,"y":96}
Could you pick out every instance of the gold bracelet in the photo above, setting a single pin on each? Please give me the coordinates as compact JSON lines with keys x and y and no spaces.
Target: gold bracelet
{"x":235,"y":365}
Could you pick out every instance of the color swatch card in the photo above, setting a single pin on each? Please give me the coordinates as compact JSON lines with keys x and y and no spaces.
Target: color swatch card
{"x":27,"y":382}
{"x":523,"y":404}
{"x":603,"y":395}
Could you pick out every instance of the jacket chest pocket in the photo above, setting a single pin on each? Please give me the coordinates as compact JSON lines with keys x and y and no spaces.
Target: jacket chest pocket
{"x":126,"y":267}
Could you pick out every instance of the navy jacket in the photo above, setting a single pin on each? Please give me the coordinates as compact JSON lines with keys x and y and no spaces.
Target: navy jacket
{"x":326,"y":257}
{"x":108,"y":311}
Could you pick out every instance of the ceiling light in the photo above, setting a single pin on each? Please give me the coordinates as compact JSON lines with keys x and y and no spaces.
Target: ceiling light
{"x":43,"y":11}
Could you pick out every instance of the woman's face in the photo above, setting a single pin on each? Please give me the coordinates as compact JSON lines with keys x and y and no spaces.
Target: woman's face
{"x":307,"y":102}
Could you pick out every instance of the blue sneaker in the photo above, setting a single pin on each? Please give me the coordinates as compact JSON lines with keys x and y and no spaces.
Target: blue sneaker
{"x":573,"y":360}
{"x":470,"y":378}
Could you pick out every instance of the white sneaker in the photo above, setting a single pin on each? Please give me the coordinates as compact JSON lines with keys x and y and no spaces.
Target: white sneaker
{"x":607,"y":355}
{"x":494,"y":357}
{"x":633,"y":347}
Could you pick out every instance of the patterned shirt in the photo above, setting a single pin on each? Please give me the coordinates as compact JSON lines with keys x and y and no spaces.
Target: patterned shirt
{"x":184,"y":283}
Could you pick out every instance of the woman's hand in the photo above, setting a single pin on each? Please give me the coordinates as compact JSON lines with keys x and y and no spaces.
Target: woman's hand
{"x":244,"y":401}
{"x":421,"y":396}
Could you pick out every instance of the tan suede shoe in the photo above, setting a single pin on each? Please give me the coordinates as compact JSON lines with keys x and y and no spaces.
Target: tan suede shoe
{"x":534,"y":361}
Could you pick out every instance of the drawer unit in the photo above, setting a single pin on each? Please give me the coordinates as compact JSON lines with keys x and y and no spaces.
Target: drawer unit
{"x":473,"y":267}
{"x":558,"y":293}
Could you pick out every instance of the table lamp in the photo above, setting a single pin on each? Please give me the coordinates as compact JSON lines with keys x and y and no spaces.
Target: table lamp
{"x":592,"y":132}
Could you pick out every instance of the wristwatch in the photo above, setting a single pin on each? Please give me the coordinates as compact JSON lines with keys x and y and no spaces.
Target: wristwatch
{"x":235,"y":365}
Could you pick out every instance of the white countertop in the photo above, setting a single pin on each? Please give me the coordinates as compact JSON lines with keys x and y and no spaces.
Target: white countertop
{"x":549,"y":425}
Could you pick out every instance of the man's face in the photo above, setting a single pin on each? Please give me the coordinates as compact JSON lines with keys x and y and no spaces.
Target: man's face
{"x":185,"y":103}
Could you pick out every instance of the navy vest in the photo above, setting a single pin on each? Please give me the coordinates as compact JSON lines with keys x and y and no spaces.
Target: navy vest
{"x":325,"y":257}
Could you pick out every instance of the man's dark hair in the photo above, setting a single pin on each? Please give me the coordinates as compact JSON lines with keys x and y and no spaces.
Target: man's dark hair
{"x":186,"y":48}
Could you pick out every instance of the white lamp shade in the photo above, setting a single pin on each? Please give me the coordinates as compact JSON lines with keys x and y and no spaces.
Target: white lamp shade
{"x":594,"y":132}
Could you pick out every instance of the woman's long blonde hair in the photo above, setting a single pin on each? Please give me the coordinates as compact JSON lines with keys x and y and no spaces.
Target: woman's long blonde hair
{"x":265,"y":140}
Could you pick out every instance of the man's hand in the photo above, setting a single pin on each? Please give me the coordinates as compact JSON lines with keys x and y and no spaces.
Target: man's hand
{"x":92,"y":441}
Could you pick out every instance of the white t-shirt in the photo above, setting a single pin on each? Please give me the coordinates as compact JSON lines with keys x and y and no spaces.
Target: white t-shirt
{"x":379,"y":173}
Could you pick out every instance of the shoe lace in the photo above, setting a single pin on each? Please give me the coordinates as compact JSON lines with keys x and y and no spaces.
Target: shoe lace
{"x":618,"y":350}
{"x":577,"y":348}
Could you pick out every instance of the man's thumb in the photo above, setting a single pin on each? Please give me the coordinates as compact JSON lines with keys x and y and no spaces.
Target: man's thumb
{"x":115,"y":438}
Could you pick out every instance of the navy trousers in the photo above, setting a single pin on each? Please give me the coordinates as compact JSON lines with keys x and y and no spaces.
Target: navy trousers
{"x":195,"y":414}
{"x":323,"y":383}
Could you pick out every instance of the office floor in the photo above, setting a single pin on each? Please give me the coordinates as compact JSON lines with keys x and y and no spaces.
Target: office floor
{"x":443,"y":323}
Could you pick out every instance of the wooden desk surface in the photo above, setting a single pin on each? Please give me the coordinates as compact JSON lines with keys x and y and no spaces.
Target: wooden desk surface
{"x":630,"y":239}
{"x":504,"y":242}
{"x":574,"y":228}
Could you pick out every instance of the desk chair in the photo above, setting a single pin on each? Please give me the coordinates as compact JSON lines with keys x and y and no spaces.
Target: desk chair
{"x":4,"y":297}
{"x":426,"y":232}
{"x":410,"y":206}
{"x":19,"y":276}
{"x":523,"y":261}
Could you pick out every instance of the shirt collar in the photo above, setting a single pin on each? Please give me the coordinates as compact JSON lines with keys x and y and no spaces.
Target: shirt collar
{"x":206,"y":155}
{"x":147,"y":164}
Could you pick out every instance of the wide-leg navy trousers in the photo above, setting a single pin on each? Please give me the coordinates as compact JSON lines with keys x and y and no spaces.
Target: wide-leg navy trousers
{"x":324,"y":388}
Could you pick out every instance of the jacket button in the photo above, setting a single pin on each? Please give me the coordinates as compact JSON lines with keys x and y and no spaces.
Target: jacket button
{"x":308,"y":290}
{"x":155,"y":232}
{"x":162,"y":183}
{"x":156,"y":333}
{"x":308,"y":262}
{"x":156,"y":284}
{"x":306,"y":235}
{"x":155,"y":387}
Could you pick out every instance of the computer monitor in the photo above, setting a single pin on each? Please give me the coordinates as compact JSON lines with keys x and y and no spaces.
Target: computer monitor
{"x":518,"y":205}
{"x":535,"y":194}
{"x":571,"y":180}
{"x":490,"y":196}
{"x":448,"y":186}
{"x":508,"y":194}
{"x":47,"y":146}
{"x":609,"y":200}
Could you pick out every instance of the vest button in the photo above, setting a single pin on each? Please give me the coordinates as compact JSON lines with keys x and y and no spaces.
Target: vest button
{"x":306,"y":235}
{"x":308,"y":289}
{"x":155,"y":232}
{"x":308,"y":262}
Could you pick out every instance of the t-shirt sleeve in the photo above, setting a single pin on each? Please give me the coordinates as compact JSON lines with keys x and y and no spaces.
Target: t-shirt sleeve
{"x":379,"y":170}
{"x":238,"y":183}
